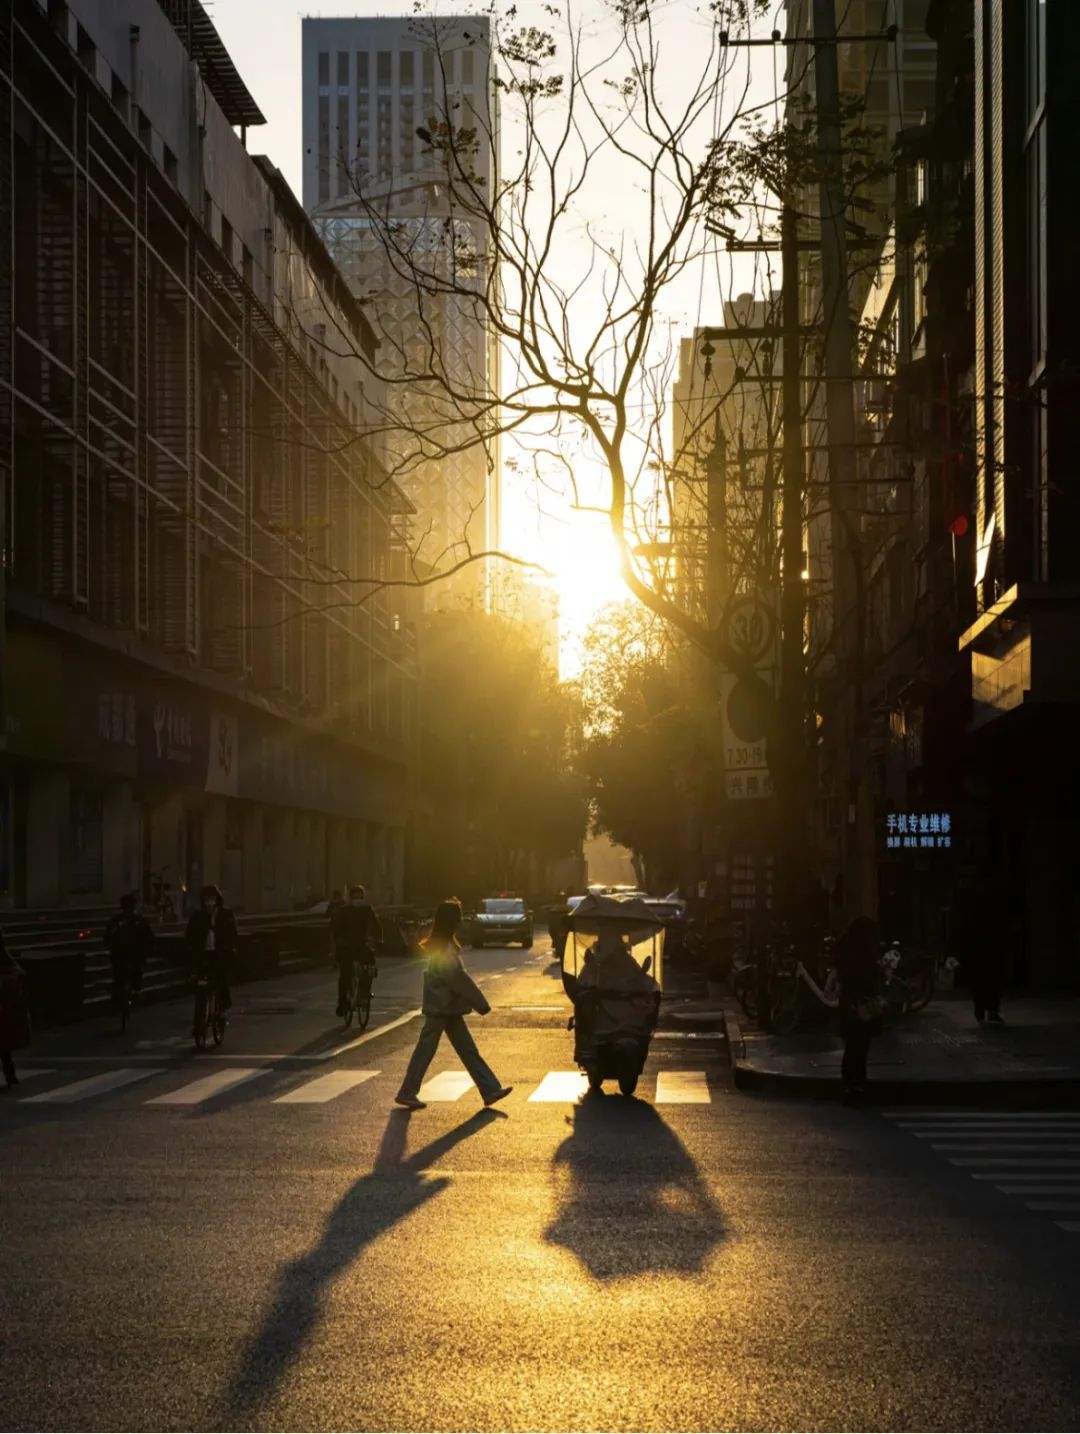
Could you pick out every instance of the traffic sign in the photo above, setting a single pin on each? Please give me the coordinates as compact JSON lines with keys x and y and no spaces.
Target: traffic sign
{"x":750,"y":628}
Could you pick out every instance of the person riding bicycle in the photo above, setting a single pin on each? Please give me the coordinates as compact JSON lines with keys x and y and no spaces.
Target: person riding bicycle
{"x":131,"y":942}
{"x":356,"y":932}
{"x":211,"y":939}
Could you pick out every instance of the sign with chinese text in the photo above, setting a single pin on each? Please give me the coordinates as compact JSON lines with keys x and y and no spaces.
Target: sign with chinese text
{"x":918,"y":831}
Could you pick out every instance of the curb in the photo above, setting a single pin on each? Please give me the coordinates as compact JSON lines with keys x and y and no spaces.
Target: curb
{"x":1017,"y":1094}
{"x":736,"y":1043}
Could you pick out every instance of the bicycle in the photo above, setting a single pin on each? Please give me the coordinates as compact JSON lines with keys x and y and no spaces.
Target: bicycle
{"x":358,"y":994}
{"x":209,"y":1020}
{"x":122,"y":994}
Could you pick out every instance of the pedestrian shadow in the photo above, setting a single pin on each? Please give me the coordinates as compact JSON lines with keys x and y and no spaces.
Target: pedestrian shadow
{"x":394,"y":1188}
{"x":631,"y":1198}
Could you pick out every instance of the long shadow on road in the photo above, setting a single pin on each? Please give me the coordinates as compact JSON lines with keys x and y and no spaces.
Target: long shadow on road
{"x":389,"y":1192}
{"x":632,"y":1200}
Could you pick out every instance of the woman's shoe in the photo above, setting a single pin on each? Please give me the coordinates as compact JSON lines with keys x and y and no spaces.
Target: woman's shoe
{"x":410,"y":1102}
{"x":499,"y":1095}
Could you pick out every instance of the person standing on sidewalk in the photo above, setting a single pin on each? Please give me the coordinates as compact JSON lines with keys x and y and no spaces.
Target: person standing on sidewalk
{"x":450,"y":994}
{"x":859,"y":975}
{"x":14,"y":1012}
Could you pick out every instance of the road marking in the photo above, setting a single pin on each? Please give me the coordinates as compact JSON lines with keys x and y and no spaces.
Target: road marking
{"x":1071,"y":1227}
{"x":689,"y":1036}
{"x":92,"y":1085}
{"x":325,"y":1087}
{"x":1054,"y":1207}
{"x":446,"y":1086}
{"x":29,"y":1072}
{"x":566,"y":1086}
{"x":1032,"y":1189}
{"x":1005,"y":1145}
{"x":1019,"y":1175}
{"x":922,"y":1115}
{"x":206,"y":1087}
{"x":1065,"y":1163}
{"x":682,"y":1088}
{"x":367,"y":1036}
{"x":1006,"y":1127}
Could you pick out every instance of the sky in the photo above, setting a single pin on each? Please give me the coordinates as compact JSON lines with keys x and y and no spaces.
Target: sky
{"x":263,"y":37}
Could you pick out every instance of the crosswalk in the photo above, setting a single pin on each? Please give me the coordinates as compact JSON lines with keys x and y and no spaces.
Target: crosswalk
{"x":1033,"y":1156}
{"x":159,"y":1087}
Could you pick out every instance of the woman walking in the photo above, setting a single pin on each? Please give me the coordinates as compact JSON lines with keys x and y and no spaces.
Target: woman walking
{"x":450,"y":994}
{"x":14,"y":1012}
{"x":859,"y":975}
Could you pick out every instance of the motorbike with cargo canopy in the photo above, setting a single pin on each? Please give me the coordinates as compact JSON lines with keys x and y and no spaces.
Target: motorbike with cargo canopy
{"x":613,"y":971}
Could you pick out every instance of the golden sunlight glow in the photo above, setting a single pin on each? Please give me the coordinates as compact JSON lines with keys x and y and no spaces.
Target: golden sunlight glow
{"x":586,"y":567}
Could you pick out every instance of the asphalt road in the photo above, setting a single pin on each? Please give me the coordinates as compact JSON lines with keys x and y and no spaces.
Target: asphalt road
{"x":213,"y":1256}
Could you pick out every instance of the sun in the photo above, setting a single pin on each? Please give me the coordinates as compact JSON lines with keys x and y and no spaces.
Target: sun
{"x":585,"y":562}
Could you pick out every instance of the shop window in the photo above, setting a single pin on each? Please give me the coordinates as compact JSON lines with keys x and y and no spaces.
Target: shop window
{"x":85,"y":843}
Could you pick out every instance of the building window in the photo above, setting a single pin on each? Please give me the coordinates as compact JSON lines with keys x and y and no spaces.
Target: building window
{"x":343,"y":178}
{"x":468,"y":58}
{"x":324,"y":149}
{"x":407,"y":111}
{"x":429,"y":84}
{"x":324,"y":67}
{"x":384,"y":137}
{"x":363,"y":111}
{"x":1035,"y":161}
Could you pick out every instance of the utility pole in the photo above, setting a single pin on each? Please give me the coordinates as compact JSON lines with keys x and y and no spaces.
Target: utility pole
{"x":796,"y":834}
{"x":848,"y":615}
{"x":716,"y":517}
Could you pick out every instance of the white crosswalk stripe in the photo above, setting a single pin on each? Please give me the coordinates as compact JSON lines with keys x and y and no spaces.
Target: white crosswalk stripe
{"x":564,"y":1086}
{"x":325,"y":1087}
{"x":1034,"y":1155}
{"x":446,"y":1086}
{"x":678,"y":1087}
{"x":682,"y":1088}
{"x":91,"y":1086}
{"x":208,"y":1086}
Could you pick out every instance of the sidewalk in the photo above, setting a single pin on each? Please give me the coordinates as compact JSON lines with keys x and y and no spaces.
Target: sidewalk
{"x":936,"y":1056}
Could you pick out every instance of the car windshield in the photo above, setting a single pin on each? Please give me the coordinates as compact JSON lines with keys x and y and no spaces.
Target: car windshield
{"x":503,"y":908}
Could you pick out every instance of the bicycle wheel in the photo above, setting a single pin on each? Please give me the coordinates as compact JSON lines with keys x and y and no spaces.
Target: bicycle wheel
{"x":199,"y":1023}
{"x":352,"y":996}
{"x":217,"y":1023}
{"x":363,"y":1007}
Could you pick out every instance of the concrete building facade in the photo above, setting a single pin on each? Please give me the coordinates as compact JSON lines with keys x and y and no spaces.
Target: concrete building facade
{"x":191,"y":691}
{"x":369,"y":85}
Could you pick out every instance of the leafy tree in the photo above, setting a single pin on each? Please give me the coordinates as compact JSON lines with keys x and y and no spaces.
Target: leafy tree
{"x":500,"y":796}
{"x":650,"y":756}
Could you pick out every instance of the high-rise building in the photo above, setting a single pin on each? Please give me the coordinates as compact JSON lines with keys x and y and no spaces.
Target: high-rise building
{"x":369,"y":85}
{"x":190,"y":686}
{"x":724,"y":475}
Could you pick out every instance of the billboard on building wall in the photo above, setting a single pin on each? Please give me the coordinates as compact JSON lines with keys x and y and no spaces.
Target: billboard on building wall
{"x":223,"y":756}
{"x":173,"y":737}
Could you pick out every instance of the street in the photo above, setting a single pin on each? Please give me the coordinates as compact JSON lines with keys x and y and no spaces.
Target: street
{"x":258,"y":1238}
